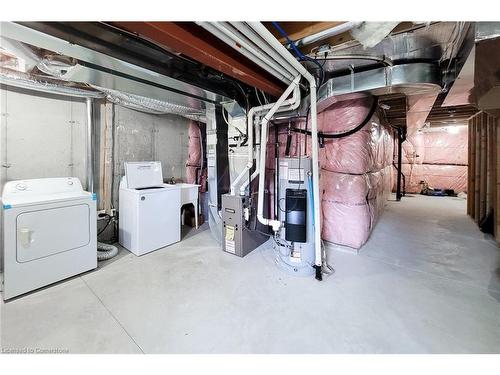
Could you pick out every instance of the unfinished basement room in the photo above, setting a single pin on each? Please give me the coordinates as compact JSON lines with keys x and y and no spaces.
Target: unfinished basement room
{"x":250,"y":187}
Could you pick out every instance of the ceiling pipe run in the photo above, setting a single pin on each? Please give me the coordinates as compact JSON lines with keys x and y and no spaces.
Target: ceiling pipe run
{"x":246,"y":30}
{"x":245,"y":47}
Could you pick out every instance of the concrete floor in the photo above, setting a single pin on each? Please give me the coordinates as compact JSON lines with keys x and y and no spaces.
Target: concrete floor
{"x":426,"y":282}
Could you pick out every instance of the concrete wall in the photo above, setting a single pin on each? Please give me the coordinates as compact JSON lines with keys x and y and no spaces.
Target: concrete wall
{"x":44,"y":135}
{"x":142,"y":136}
{"x":41,"y":136}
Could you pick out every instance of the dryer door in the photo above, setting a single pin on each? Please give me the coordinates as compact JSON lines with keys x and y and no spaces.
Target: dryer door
{"x":42,"y":233}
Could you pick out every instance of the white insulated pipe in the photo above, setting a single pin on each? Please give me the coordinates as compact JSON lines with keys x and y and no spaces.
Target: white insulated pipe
{"x":248,"y":32}
{"x":280,"y":49}
{"x":275,"y":224}
{"x":229,"y":37}
{"x":89,"y":144}
{"x":285,"y":106}
{"x":255,"y":173}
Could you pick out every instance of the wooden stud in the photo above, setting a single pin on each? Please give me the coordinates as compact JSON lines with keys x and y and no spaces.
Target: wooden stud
{"x":477,"y":168}
{"x":482,"y":167}
{"x":472,"y":169}
{"x":490,"y":166}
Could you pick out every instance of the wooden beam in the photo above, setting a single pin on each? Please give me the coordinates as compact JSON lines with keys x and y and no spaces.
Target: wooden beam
{"x":298,"y":30}
{"x":196,"y":43}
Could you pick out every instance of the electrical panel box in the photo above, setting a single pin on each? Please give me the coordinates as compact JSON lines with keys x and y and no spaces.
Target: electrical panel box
{"x":237,"y":239}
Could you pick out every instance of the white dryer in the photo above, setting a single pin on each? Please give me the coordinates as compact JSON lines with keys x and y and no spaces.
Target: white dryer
{"x":49,"y":232}
{"x":149,"y":209}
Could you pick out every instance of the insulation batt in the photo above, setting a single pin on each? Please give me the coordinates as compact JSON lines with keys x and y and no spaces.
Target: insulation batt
{"x":437,"y":176}
{"x":352,"y":204}
{"x":445,"y":147}
{"x":367,"y":150}
{"x":193,"y":162}
{"x":414,"y":149}
{"x":356,"y":175}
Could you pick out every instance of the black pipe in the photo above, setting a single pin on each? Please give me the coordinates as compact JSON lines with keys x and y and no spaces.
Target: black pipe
{"x":277,"y":171}
{"x":323,"y":136}
{"x":288,"y":139}
{"x":401,"y":139}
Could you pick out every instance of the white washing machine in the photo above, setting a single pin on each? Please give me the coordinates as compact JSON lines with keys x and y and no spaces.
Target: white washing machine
{"x":49,"y":233}
{"x":149,"y":209}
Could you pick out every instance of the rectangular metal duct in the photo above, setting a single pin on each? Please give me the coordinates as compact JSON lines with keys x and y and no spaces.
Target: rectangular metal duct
{"x":409,"y":79}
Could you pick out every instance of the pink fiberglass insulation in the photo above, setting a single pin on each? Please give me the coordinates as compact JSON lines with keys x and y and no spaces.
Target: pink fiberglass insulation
{"x":369,"y":149}
{"x":437,"y":176}
{"x":296,"y":145}
{"x":446,"y":147}
{"x":193,"y":162}
{"x":194,"y":145}
{"x":352,"y":204}
{"x":356,"y":176}
{"x":414,"y":149}
{"x":344,"y":114}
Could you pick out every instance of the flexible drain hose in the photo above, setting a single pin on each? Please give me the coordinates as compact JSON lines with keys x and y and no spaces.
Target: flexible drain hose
{"x":105,"y":251}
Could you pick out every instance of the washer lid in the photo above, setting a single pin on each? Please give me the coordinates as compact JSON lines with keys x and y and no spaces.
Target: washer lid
{"x":143,"y":174}
{"x":42,"y":190}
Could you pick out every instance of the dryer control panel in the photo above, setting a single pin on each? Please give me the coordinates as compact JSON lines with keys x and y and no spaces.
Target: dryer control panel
{"x":22,"y":191}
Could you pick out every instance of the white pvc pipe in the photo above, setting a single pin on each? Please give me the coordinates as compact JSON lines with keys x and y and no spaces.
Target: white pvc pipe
{"x":286,"y":106}
{"x":275,"y":224}
{"x":233,"y":40}
{"x":247,"y":31}
{"x":89,"y":144}
{"x":242,"y":41}
{"x":269,"y":38}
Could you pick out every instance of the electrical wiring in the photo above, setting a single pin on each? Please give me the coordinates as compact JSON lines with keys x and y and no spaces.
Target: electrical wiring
{"x":257,"y":95}
{"x":347,"y":133}
{"x":110,"y":219}
{"x":299,"y":54}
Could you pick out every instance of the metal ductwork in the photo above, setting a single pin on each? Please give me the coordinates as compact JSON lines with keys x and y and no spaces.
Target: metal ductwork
{"x":121,"y":81}
{"x":409,"y":79}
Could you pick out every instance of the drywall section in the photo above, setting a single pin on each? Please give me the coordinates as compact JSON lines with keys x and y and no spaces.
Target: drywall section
{"x":42,"y":135}
{"x":142,"y":136}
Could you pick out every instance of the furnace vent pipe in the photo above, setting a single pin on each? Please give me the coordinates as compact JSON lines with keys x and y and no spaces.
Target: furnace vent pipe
{"x":286,"y":106}
{"x":275,"y":224}
{"x":280,"y":49}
